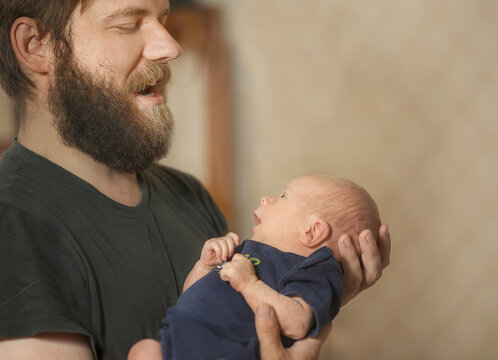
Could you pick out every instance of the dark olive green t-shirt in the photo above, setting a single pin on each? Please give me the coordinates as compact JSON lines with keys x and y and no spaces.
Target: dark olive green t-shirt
{"x":73,"y":260}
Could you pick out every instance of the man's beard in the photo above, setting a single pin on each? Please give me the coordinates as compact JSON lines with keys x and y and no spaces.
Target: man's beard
{"x":103,"y":121}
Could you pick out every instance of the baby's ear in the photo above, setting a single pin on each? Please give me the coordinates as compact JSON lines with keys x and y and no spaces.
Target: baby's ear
{"x":317,"y":231}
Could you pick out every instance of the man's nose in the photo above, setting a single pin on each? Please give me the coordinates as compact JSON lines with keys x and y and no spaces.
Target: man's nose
{"x":265,"y":200}
{"x":161,"y":46}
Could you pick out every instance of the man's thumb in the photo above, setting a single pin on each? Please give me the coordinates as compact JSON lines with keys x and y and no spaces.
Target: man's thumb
{"x":268,"y":331}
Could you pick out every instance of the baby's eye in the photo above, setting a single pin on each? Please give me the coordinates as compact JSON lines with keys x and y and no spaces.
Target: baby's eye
{"x":283,"y":196}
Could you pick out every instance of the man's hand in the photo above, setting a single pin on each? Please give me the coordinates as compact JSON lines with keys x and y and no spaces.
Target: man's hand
{"x":374,"y":257}
{"x":239,"y":272}
{"x":218,"y":250}
{"x":271,"y":347}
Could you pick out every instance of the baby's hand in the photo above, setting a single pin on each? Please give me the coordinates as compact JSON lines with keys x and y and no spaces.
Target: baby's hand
{"x":239,"y":272}
{"x":218,"y":250}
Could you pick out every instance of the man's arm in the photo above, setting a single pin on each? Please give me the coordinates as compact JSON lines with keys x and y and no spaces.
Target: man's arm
{"x":47,"y":346}
{"x":293,"y":313}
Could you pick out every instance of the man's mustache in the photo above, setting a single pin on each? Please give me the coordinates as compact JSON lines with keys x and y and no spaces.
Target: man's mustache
{"x":152,"y":75}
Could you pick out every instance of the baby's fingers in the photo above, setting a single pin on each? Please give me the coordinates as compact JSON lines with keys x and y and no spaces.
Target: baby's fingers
{"x":232,"y":241}
{"x":217,"y":249}
{"x":226,"y":272}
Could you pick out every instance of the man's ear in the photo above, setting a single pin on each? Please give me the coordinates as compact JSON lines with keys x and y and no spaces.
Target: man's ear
{"x":32,"y":52}
{"x":317,"y":231}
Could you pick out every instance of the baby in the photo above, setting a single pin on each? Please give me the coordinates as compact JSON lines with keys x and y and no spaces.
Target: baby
{"x":291,"y":263}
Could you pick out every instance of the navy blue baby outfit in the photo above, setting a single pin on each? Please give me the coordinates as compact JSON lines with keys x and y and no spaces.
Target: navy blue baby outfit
{"x":213,"y":321}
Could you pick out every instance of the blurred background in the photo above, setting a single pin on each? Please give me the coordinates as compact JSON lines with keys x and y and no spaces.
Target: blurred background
{"x":399,"y":96}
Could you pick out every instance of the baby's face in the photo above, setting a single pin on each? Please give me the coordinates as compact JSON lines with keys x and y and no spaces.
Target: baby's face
{"x":281,"y":220}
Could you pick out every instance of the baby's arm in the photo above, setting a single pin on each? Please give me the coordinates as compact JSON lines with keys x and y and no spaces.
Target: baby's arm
{"x":214,"y":252}
{"x":293,"y":313}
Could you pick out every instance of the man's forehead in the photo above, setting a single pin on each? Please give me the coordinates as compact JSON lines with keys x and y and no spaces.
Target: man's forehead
{"x":109,"y":9}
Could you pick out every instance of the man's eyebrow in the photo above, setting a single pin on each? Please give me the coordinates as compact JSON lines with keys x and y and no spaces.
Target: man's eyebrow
{"x":130,"y":11}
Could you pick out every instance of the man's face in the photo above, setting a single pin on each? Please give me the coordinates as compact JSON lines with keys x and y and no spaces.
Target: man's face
{"x":108,"y":93}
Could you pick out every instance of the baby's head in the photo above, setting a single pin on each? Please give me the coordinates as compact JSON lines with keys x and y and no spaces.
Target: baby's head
{"x":314,"y":211}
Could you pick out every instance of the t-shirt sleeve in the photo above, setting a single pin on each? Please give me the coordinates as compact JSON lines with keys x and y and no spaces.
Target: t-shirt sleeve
{"x":319,"y":284}
{"x":35,"y":276}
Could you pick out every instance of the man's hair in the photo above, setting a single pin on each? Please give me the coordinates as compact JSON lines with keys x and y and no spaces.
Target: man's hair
{"x":52,"y":18}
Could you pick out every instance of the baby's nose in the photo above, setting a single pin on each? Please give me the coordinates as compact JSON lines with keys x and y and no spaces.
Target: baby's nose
{"x":265,"y":200}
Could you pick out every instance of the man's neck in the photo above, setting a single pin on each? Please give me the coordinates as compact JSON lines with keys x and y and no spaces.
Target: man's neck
{"x":38,"y":134}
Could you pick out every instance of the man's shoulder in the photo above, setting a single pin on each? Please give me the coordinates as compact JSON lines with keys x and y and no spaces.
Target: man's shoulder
{"x":21,"y":168}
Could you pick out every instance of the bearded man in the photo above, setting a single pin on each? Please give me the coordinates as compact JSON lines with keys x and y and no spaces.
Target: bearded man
{"x":96,"y":238}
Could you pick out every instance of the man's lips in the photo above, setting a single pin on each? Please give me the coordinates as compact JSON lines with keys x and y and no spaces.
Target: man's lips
{"x":160,"y":86}
{"x":154,"y":94}
{"x":156,"y":87}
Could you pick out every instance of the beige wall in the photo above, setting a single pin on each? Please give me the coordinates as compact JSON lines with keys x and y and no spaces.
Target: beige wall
{"x":187,"y":99}
{"x":400,"y":96}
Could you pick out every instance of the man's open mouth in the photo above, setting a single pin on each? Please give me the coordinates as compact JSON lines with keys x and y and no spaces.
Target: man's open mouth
{"x":151,"y":90}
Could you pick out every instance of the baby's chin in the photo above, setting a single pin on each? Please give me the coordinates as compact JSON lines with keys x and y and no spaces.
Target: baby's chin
{"x":258,"y":238}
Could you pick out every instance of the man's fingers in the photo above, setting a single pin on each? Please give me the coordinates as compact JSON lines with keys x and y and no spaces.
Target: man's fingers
{"x":384,"y":245}
{"x":271,"y":348}
{"x":370,"y":257}
{"x":268,"y":332}
{"x":352,"y":276}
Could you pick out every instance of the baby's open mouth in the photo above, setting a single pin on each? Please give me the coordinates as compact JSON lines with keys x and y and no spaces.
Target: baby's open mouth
{"x":256,"y":219}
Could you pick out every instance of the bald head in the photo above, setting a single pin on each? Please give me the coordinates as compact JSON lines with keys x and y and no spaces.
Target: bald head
{"x":346,"y":206}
